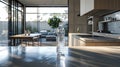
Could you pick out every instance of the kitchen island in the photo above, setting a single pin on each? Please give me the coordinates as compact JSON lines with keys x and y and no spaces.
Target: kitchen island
{"x":93,"y":40}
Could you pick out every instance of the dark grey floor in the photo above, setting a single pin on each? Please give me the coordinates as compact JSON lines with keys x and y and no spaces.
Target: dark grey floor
{"x":28,"y":57}
{"x":44,"y":56}
{"x":104,"y":56}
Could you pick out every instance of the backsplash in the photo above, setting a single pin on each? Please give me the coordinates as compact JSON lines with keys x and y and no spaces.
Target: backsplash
{"x":114,"y":26}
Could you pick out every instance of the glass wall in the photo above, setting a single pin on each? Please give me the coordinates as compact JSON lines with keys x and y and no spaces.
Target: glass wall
{"x":31,"y":19}
{"x":37,"y":17}
{"x":47,"y":12}
{"x":11,"y":20}
{"x":3,"y":23}
{"x":20,"y":22}
{"x":16,"y":21}
{"x":16,"y":18}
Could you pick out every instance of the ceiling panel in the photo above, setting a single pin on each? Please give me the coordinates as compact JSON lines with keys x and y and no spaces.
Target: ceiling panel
{"x":45,"y":2}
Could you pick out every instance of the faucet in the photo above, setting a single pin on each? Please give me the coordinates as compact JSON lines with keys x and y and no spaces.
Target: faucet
{"x":90,"y":22}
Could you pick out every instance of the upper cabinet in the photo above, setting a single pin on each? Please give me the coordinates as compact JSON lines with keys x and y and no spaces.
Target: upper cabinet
{"x":87,"y":6}
{"x":82,"y":7}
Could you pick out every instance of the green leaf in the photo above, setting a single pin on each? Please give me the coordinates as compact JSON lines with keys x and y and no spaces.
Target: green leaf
{"x":54,"y":21}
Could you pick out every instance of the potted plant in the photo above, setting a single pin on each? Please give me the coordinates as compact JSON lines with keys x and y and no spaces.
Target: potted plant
{"x":54,"y":22}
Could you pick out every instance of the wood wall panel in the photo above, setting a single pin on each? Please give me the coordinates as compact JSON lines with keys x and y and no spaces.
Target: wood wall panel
{"x":76,"y":21}
{"x":107,"y":4}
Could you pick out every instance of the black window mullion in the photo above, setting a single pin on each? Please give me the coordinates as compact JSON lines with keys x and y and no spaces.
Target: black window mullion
{"x":10,"y":19}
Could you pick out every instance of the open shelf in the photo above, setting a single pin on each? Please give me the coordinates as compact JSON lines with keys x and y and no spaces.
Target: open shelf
{"x":108,"y":21}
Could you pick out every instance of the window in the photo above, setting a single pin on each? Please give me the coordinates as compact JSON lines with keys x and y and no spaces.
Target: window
{"x":16,"y":22}
{"x":47,"y":12}
{"x":3,"y":24}
{"x":31,"y":17}
{"x":37,"y":17}
{"x":31,"y":10}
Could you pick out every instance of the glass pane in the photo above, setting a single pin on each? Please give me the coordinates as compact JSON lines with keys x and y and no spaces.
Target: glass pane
{"x":13,"y":22}
{"x":3,"y":24}
{"x":19,"y":22}
{"x":53,"y":10}
{"x":20,"y":7}
{"x":31,"y":10}
{"x":31,"y":17}
{"x":44,"y":17}
{"x":43,"y":14}
{"x":31,"y":22}
{"x":61,"y":12}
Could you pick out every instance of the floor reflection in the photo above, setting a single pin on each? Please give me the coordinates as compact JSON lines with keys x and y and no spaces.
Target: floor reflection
{"x":18,"y":56}
{"x":60,"y":60}
{"x":93,"y":57}
{"x":28,"y":57}
{"x":3,"y":55}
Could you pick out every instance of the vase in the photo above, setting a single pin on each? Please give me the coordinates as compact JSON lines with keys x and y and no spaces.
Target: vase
{"x":60,"y":39}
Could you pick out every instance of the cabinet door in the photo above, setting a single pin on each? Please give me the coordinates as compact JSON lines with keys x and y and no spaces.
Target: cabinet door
{"x":82,"y":7}
{"x":86,"y":6}
{"x":89,"y":5}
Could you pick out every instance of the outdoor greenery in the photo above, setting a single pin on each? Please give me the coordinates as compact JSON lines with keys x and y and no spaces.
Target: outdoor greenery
{"x":54,"y":22}
{"x":32,"y":30}
{"x":66,"y":29}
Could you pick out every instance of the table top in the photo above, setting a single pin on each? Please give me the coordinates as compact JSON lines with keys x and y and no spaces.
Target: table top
{"x":25,"y":36}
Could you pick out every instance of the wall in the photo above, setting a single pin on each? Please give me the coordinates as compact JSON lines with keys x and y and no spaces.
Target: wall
{"x":77,"y":24}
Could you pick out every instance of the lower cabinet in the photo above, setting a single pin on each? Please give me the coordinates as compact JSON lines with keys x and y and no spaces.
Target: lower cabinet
{"x":76,"y":42}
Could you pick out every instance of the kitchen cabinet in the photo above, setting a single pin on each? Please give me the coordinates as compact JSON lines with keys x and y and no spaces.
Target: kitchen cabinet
{"x":90,"y":40}
{"x":87,"y":6}
{"x":82,"y":7}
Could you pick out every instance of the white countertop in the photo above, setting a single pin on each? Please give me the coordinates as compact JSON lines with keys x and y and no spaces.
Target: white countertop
{"x":117,"y":36}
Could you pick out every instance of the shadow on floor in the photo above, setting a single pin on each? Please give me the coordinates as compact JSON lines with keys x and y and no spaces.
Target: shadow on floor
{"x":86,"y":58}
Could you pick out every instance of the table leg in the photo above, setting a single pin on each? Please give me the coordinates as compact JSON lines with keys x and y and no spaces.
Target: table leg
{"x":14,"y":44}
{"x":32,"y":42}
{"x":38,"y":42}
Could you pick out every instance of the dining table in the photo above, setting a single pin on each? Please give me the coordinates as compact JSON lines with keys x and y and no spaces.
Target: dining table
{"x":33,"y":37}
